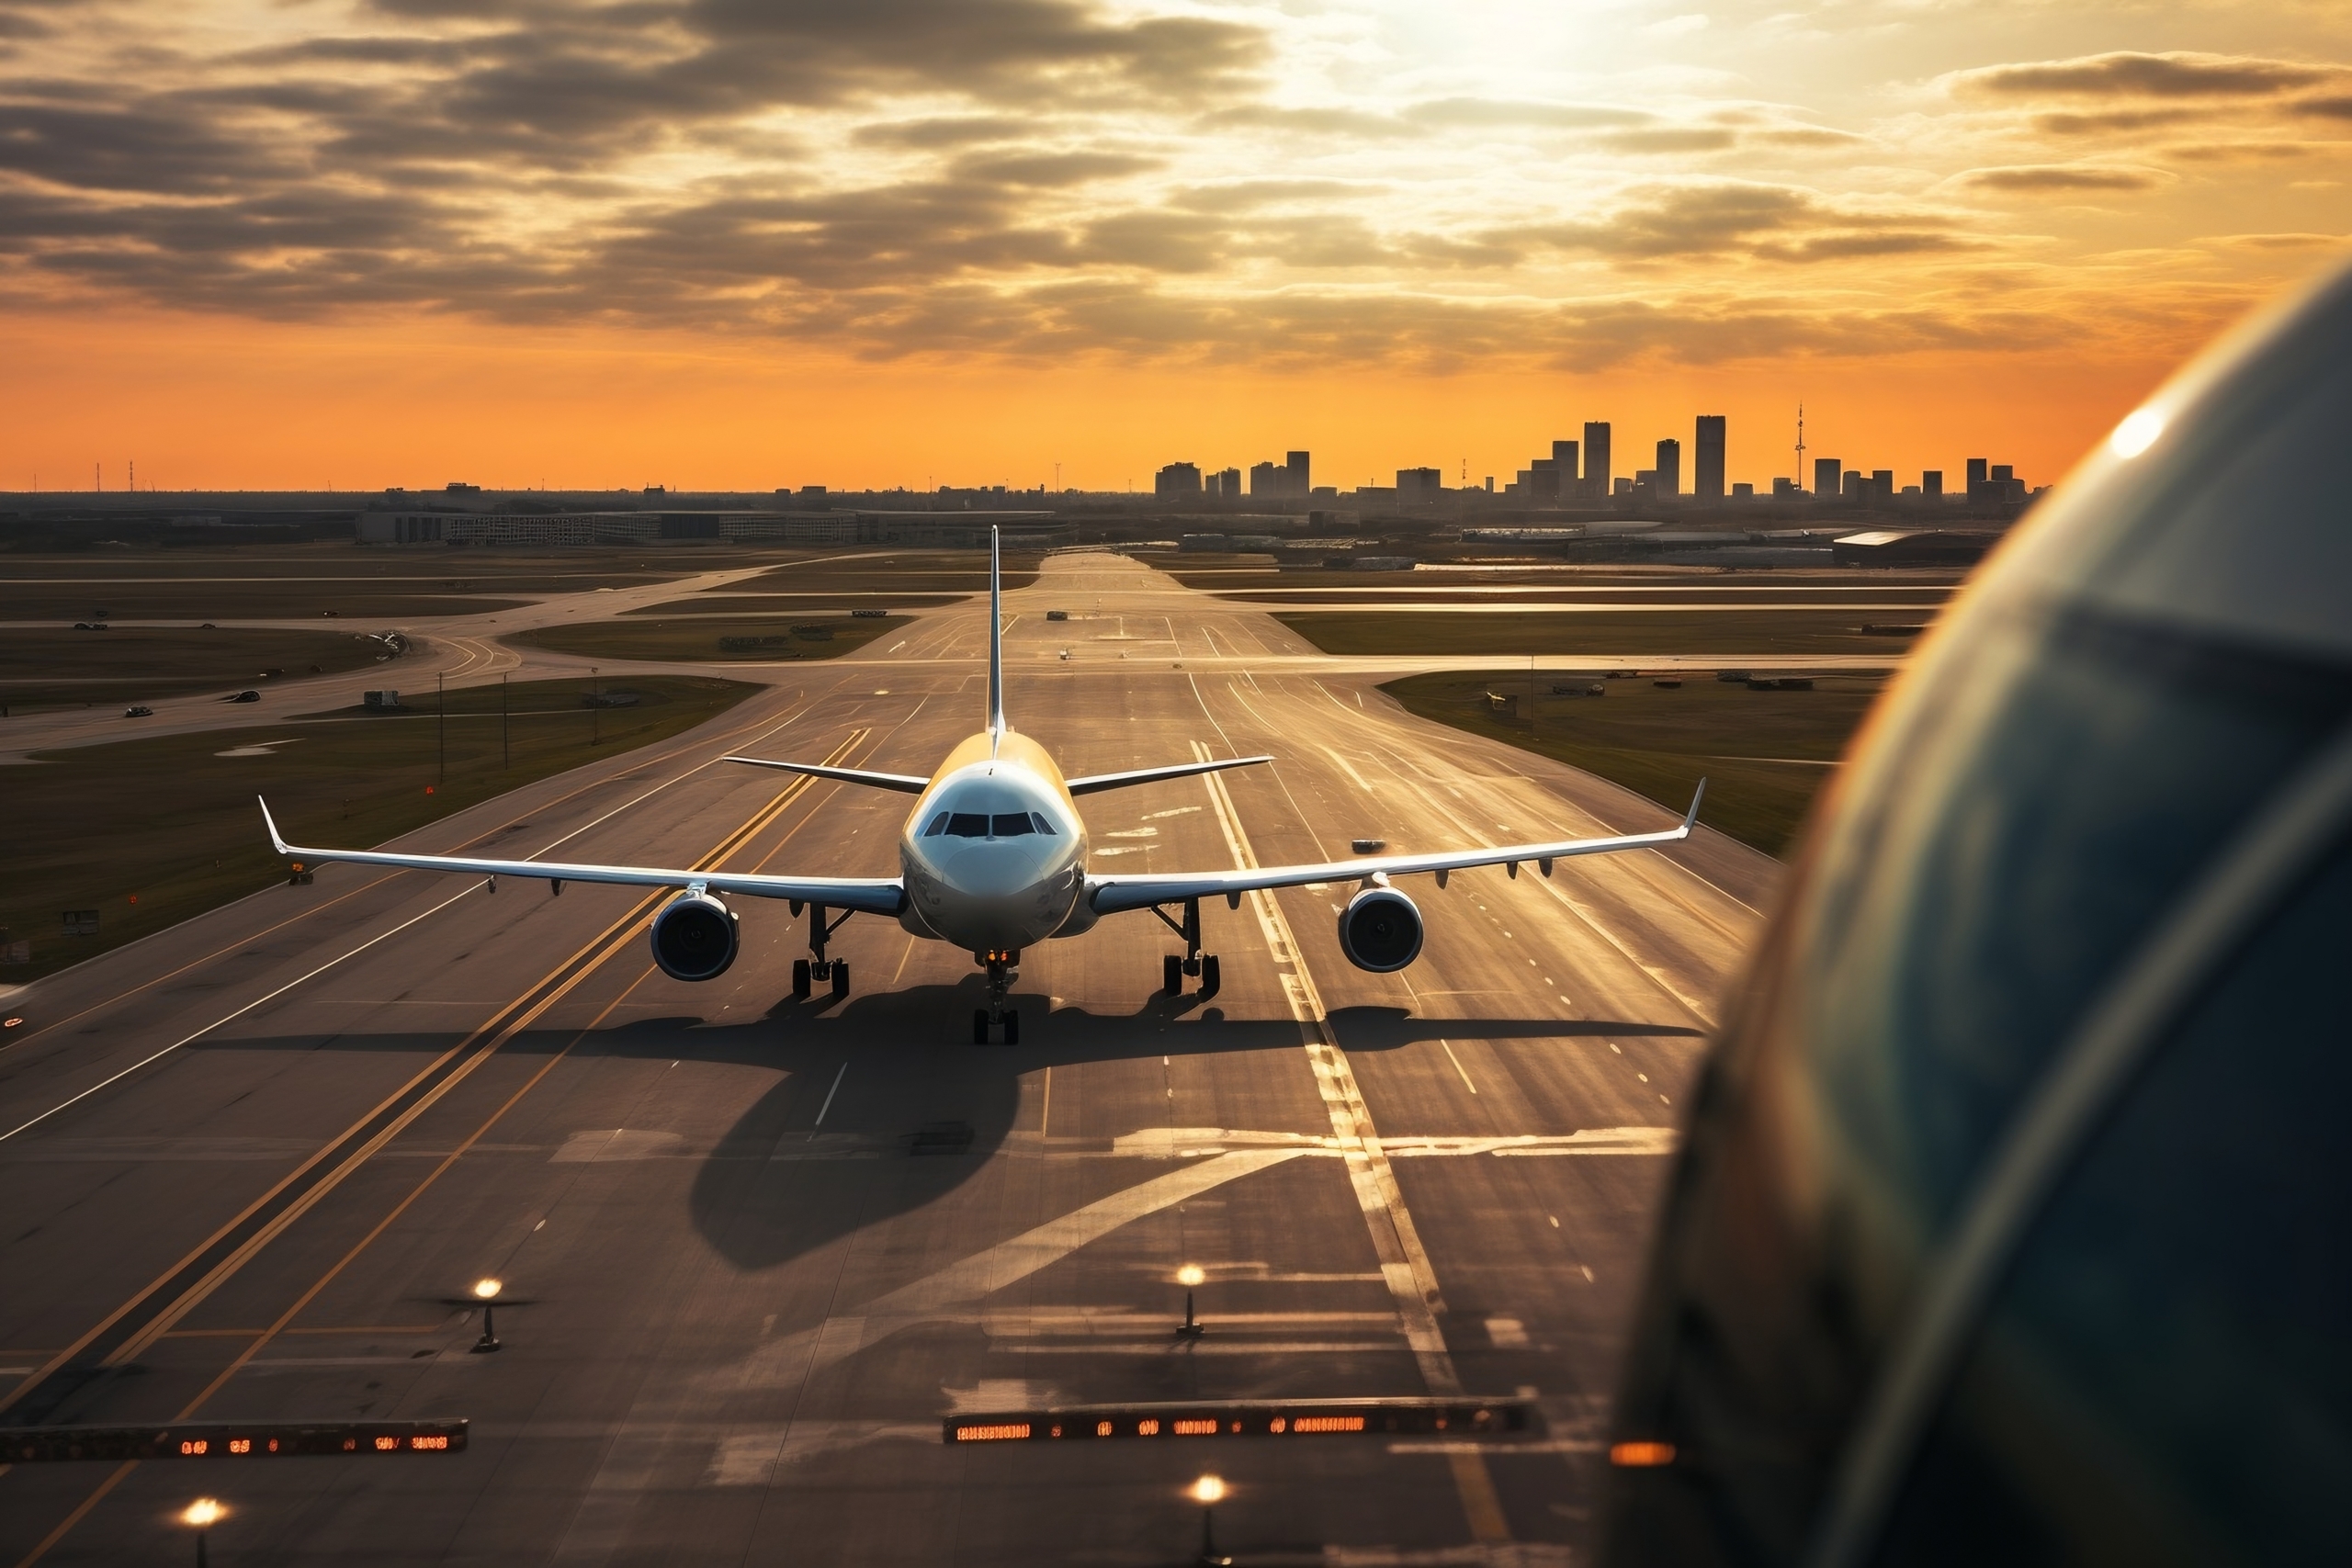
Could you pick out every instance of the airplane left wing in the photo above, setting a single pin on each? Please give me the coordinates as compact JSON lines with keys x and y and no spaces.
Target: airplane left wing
{"x":878,"y":896}
{"x":1110,"y":894}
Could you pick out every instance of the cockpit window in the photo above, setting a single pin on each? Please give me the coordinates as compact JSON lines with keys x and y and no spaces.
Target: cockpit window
{"x":1011,"y":825}
{"x":1043,"y":826}
{"x":938,"y":826}
{"x":968,"y":825}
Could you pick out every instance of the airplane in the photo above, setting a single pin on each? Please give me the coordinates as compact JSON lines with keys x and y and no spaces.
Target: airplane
{"x":992,"y":859}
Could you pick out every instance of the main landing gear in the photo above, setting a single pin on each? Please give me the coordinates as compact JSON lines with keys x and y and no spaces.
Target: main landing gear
{"x":1003,"y":970}
{"x":1194,"y":962}
{"x":806,"y":970}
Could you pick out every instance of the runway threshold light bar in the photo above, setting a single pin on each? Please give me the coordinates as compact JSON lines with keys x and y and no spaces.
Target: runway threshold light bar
{"x":1291,"y":1418}
{"x":231,"y":1440}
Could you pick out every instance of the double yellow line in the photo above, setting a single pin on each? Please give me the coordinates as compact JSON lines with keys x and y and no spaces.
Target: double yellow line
{"x":304,"y":1188}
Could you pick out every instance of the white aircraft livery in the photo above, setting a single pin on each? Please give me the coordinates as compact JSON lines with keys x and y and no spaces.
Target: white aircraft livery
{"x":992,"y":859}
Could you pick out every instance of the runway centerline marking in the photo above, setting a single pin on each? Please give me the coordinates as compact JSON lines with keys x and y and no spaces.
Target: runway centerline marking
{"x":1404,"y":1262}
{"x":1458,"y":1067}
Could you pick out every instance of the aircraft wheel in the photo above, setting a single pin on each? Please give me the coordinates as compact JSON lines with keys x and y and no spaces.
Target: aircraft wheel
{"x":801,"y":979}
{"x":1173,"y":975}
{"x":1212,"y":978}
{"x":841,"y":977}
{"x":1012,"y":1027}
{"x":980,"y":1026}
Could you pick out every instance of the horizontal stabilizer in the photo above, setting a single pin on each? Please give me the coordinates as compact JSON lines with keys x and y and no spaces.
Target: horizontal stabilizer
{"x":1096,"y":781}
{"x":905,"y":784}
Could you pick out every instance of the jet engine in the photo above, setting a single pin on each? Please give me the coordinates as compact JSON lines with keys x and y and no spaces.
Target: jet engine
{"x":1380,"y":930}
{"x":695,"y":938}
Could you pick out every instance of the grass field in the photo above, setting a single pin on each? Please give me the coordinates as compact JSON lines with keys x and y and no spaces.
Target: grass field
{"x":1606,"y":632}
{"x":300,"y":582}
{"x":131,"y":664}
{"x":150,"y":832}
{"x":700,"y":638}
{"x":1763,"y":753}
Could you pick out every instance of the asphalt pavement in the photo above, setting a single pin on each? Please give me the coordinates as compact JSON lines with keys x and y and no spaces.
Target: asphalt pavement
{"x":254,"y":1166}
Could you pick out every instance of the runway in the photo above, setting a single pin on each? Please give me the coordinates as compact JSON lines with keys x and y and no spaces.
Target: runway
{"x":253,"y":1166}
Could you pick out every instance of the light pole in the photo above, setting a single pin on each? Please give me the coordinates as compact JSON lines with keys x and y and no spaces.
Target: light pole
{"x":441,"y":722}
{"x":486,"y":1292}
{"x":202,"y":1515}
{"x":506,"y":752}
{"x":1208,"y":1491}
{"x":595,"y":711}
{"x":1189,"y":1276}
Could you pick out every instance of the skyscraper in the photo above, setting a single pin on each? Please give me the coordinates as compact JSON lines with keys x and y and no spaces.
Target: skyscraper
{"x":1707,"y":459}
{"x":1267,"y":479}
{"x":1564,"y":454}
{"x":1596,"y":460}
{"x":1827,"y":476}
{"x":1228,"y":483}
{"x":1669,"y":466}
{"x":1177,"y":481}
{"x":1975,"y":474}
{"x":1299,"y":482}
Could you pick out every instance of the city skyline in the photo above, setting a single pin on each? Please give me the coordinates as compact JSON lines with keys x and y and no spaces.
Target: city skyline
{"x":356,"y":243}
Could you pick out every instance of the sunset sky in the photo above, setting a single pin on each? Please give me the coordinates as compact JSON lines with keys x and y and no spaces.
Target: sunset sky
{"x":742,"y":244}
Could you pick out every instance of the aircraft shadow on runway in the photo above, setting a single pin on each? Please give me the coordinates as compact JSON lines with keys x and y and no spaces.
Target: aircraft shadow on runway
{"x":777,"y":1186}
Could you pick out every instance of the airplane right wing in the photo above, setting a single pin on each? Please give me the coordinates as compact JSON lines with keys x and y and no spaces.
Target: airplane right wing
{"x":1108,"y":894}
{"x":1092,"y":782}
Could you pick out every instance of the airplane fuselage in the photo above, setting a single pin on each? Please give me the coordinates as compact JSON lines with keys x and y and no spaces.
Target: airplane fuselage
{"x":994,"y":851}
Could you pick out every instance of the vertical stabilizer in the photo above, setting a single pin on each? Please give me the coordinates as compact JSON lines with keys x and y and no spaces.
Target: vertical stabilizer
{"x":996,"y":636}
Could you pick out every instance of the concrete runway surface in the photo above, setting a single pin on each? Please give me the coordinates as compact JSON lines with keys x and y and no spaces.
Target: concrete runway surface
{"x":258,"y":1160}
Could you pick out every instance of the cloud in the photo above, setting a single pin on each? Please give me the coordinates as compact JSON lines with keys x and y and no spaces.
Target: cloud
{"x":951,"y":130}
{"x":1450,"y":112}
{"x":1778,"y":223}
{"x":2123,"y":74}
{"x":2038,"y":177}
{"x":1052,"y":169}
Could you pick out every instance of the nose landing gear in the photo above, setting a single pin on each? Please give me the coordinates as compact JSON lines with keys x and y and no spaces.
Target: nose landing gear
{"x":833,"y":970}
{"x":1194,"y":962}
{"x":1002,"y":967}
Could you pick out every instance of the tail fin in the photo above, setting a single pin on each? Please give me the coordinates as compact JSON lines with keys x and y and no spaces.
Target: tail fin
{"x":996,"y":638}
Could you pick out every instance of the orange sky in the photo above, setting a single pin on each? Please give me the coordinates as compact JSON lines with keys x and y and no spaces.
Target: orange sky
{"x":716,"y":244}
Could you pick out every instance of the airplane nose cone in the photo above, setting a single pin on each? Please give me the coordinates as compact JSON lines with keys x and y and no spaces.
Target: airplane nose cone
{"x":990,"y":871}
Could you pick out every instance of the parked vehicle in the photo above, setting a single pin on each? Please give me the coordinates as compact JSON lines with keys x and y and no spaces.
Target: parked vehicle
{"x":139,"y":710}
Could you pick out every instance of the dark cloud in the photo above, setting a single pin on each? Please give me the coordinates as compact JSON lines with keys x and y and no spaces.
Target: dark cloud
{"x":1803,"y":136}
{"x":2242,"y":152}
{"x":2326,"y":108}
{"x":952,"y":130}
{"x":2037,"y":178}
{"x":2173,"y":75}
{"x":1246,"y":195}
{"x":1776,"y":223}
{"x":1671,"y":139}
{"x":1051,"y":169}
{"x":1352,"y":123}
{"x":2105,"y":121}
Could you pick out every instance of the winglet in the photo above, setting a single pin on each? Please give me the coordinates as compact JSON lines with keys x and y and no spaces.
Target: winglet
{"x":996,"y":638}
{"x":270,"y":822}
{"x":1691,"y":818}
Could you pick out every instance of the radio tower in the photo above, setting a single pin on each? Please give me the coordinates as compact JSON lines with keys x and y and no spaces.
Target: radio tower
{"x":1799,"y":446}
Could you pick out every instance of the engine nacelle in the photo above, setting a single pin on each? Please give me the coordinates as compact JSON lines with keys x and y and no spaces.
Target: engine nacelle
{"x":1380,"y":930}
{"x":695,"y":938}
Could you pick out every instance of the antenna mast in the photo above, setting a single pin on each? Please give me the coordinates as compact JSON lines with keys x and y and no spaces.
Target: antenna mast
{"x":1799,"y":446}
